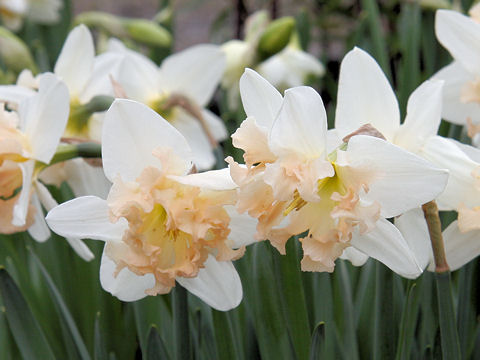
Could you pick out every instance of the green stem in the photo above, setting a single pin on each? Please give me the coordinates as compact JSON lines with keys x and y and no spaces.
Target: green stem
{"x":430,"y":211}
{"x":181,"y":326}
{"x":69,"y":151}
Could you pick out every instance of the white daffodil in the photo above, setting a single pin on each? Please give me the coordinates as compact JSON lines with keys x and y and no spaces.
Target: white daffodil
{"x":85,"y":76}
{"x":12,"y":12}
{"x":160,"y":223}
{"x":292,"y":184}
{"x":290,"y":67}
{"x":26,"y":138}
{"x":178,"y":90}
{"x":460,"y":35}
{"x":365,"y":97}
{"x":462,"y":194}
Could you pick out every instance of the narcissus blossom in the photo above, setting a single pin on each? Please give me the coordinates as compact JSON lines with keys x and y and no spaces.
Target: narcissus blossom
{"x":13,"y":12}
{"x":178,"y":90}
{"x":161,"y":223}
{"x":460,"y":35}
{"x":290,"y":67}
{"x":29,"y":139}
{"x":85,"y":76}
{"x":365,"y":97}
{"x":341,"y":198}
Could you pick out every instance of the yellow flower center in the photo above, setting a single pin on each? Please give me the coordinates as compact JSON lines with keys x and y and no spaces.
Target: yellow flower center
{"x":161,"y":106}
{"x":78,"y":120}
{"x":172,"y":228}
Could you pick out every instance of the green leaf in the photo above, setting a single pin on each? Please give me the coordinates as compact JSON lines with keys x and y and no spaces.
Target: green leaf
{"x":384,"y":332}
{"x":26,"y":331}
{"x":100,"y":348}
{"x":317,"y":350}
{"x":347,"y":329}
{"x":155,"y":347}
{"x":290,"y":284}
{"x":466,"y":312}
{"x":181,"y":323}
{"x":408,"y":323}
{"x":63,"y":311}
{"x":377,"y":34}
{"x":224,"y":334}
{"x":446,"y":313}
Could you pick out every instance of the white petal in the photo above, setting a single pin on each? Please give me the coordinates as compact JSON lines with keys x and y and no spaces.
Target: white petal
{"x":460,"y":248}
{"x":80,"y":248}
{"x":190,"y":128}
{"x":131,"y":132}
{"x":46,"y":199}
{"x":85,"y":218}
{"x":386,"y":244}
{"x":472,"y":152}
{"x":105,"y":67}
{"x":75,"y":62}
{"x":414,"y":229}
{"x":44,"y":116}
{"x":44,"y":11}
{"x":194,"y":72}
{"x":424,"y":110}
{"x":454,"y":110}
{"x":14,"y":94}
{"x":356,"y":257}
{"x":460,"y":35}
{"x":218,"y":284}
{"x":301,"y":125}
{"x":138,"y":76}
{"x":85,"y":179}
{"x":365,"y":97}
{"x":242,"y":227}
{"x":461,"y":186}
{"x":218,"y":180}
{"x":260,"y":99}
{"x":20,"y":209}
{"x":215,"y":125}
{"x":39,"y":229}
{"x":402,"y":180}
{"x":126,"y":286}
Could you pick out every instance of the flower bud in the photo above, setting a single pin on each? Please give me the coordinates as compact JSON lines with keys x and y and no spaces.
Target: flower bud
{"x":276,"y":36}
{"x":147,"y":32}
{"x":14,"y":53}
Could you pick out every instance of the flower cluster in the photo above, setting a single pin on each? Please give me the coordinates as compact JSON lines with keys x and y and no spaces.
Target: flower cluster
{"x":351,"y":192}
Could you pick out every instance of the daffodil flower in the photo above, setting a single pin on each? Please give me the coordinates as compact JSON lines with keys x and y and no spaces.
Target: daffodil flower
{"x":13,"y":12}
{"x":365,"y":97}
{"x":160,"y":222}
{"x":341,"y":199}
{"x":460,"y":35}
{"x":189,"y":77}
{"x":27,"y":139}
{"x":85,"y":77}
{"x":290,"y":67}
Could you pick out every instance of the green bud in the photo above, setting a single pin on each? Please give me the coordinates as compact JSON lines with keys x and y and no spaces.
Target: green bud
{"x":107,"y":22}
{"x":435,"y":4}
{"x":147,"y":32}
{"x":14,"y":54}
{"x":141,"y":30}
{"x":256,"y":25}
{"x":275,"y":37}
